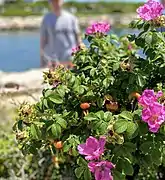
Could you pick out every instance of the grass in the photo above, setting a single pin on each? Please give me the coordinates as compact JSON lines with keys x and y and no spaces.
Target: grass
{"x":83,"y":9}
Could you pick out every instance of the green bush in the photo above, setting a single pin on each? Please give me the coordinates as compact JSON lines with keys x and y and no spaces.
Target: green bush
{"x":105,"y":108}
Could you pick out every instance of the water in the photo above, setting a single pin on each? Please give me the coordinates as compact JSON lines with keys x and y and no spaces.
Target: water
{"x":19,"y":51}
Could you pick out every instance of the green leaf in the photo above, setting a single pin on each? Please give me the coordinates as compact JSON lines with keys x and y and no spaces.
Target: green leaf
{"x":79,"y":171}
{"x":92,"y":72}
{"x":48,"y":93}
{"x":143,"y":128}
{"x":120,"y":126}
{"x":90,"y":117}
{"x":102,"y":128}
{"x":35,"y":132}
{"x":162,"y":129}
{"x":20,"y":125}
{"x":140,"y":42}
{"x":146,"y":147}
{"x":117,"y":175}
{"x":130,"y":147}
{"x":126,"y":115}
{"x":87,"y":174}
{"x":106,"y":82}
{"x":87,"y":67}
{"x":81,"y":162}
{"x":66,"y":147}
{"x":56,"y":130}
{"x":108,"y":116}
{"x":61,"y":90}
{"x":131,"y":130}
{"x":72,"y":79}
{"x":127,"y":167}
{"x":141,"y":81}
{"x":100,"y":102}
{"x":45,"y":102}
{"x":56,"y":99}
{"x":148,"y":39}
{"x":146,"y":161}
{"x":156,"y":156}
{"x":62,"y":123}
{"x":79,"y":89}
{"x":96,"y":124}
{"x":100,"y":115}
{"x":146,"y":26}
{"x":116,"y":66}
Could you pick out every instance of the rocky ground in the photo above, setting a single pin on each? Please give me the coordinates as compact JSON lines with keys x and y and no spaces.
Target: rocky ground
{"x":19,"y":87}
{"x":33,"y":22}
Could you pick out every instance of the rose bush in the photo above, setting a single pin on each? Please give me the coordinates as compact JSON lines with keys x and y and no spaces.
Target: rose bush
{"x":107,"y":114}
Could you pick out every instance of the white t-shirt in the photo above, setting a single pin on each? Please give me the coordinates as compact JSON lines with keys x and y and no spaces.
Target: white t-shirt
{"x":60,"y":33}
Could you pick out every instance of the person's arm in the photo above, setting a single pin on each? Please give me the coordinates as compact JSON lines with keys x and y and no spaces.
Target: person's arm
{"x":43,"y":41}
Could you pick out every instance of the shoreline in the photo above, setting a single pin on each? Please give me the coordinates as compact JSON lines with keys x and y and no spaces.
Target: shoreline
{"x":33,"y":22}
{"x":15,"y":90}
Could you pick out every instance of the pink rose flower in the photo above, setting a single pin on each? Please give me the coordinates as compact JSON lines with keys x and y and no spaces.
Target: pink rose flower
{"x":129,"y":47}
{"x":75,"y":49}
{"x":93,"y":148}
{"x":99,"y":27}
{"x":154,"y":116}
{"x":150,"y":10}
{"x":149,"y":97}
{"x":101,"y":170}
{"x":153,"y":112}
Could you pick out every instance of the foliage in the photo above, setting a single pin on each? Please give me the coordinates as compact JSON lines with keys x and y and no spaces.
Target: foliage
{"x":17,"y":8}
{"x":96,"y":98}
{"x":15,"y":165}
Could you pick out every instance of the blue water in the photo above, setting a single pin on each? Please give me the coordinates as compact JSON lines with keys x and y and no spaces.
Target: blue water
{"x":19,"y":51}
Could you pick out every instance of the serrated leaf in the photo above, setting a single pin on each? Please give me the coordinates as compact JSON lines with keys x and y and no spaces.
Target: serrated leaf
{"x":45,"y":102}
{"x":90,"y":117}
{"x":108,"y":116}
{"x":102,"y":128}
{"x":87,"y":174}
{"x":130,"y":147}
{"x":156,"y":156}
{"x":120,"y":126}
{"x":141,"y":80}
{"x":62,"y":123}
{"x":92,"y":71}
{"x":81,"y":162}
{"x":116,"y":66}
{"x":126,"y":115}
{"x":56,"y":130}
{"x":66,"y":147}
{"x":100,"y":115}
{"x":55,"y":98}
{"x":79,"y":171}
{"x":20,"y":125}
{"x":131,"y":129}
{"x":117,"y":175}
{"x":106,"y":82}
{"x":34,"y":131}
{"x":128,"y":168}
{"x":146,"y":147}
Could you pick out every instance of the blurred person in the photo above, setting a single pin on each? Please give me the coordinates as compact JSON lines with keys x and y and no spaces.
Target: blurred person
{"x":59,"y":33}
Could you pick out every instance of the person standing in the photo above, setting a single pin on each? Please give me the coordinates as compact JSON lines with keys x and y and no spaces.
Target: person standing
{"x":59,"y":33}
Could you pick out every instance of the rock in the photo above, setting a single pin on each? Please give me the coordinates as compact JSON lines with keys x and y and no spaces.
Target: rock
{"x":19,"y":87}
{"x":19,"y":82}
{"x":34,"y":22}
